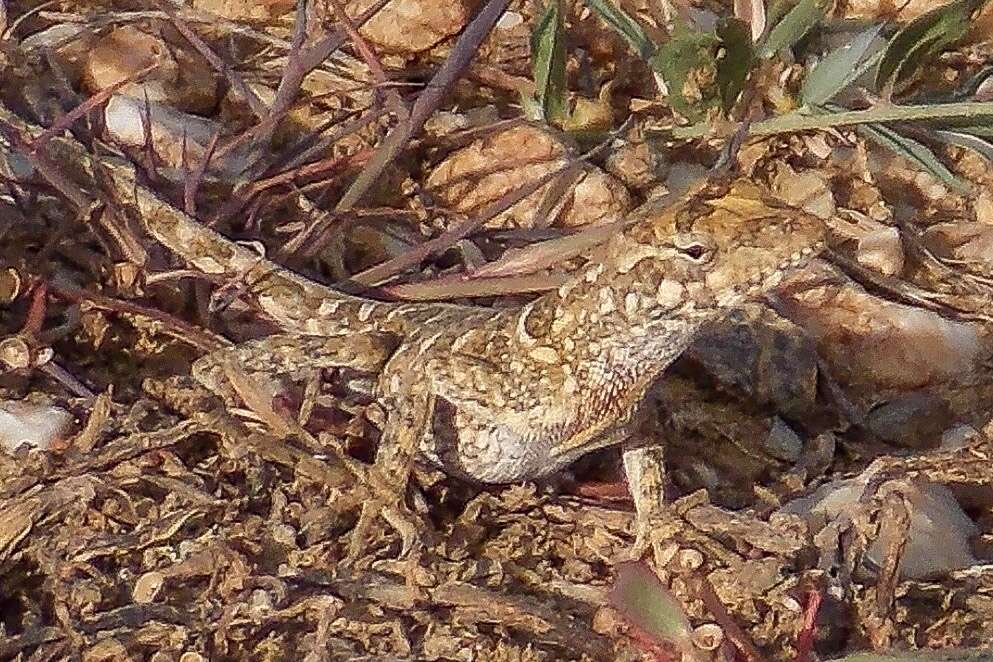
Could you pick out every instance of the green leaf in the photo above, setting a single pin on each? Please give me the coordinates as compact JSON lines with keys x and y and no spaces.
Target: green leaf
{"x":548,"y":62}
{"x":923,"y":38}
{"x":797,"y":23}
{"x":642,"y":599}
{"x":974,"y":84}
{"x":979,"y":130}
{"x":624,"y":25}
{"x":963,"y":114}
{"x":840,"y":67}
{"x":776,"y":9}
{"x":735,"y":62}
{"x":914,"y":151}
{"x":685,"y":52}
{"x":966,"y":140}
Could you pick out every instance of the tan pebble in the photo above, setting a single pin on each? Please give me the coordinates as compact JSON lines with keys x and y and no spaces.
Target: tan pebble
{"x":631,"y":304}
{"x":147,"y":587}
{"x":606,"y":621}
{"x":689,"y":559}
{"x":708,"y":636}
{"x":670,"y":294}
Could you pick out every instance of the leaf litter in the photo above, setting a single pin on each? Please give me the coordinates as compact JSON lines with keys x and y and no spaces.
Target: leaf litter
{"x":829,"y":450}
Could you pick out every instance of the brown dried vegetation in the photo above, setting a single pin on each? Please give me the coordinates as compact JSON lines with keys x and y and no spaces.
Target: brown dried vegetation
{"x":140,"y":519}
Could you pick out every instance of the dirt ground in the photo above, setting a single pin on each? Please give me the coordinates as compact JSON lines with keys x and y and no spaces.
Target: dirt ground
{"x":829,"y":448}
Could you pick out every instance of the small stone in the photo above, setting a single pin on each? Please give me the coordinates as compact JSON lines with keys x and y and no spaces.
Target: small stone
{"x":509,"y":20}
{"x":958,"y":436}
{"x":638,"y":165}
{"x":807,"y":190}
{"x":783,"y":443}
{"x":818,"y":454}
{"x":15,"y":354}
{"x":545,"y":355}
{"x":938,"y":539}
{"x":147,"y":587}
{"x":689,"y":559}
{"x":260,"y":603}
{"x":708,"y":636}
{"x":285,"y":535}
{"x":107,"y":650}
{"x":791,"y":604}
{"x":412,"y":26}
{"x":882,"y":251}
{"x":670,"y":294}
{"x":31,"y":424}
{"x":10,"y":285}
{"x":683,"y":176}
{"x":870,"y":342}
{"x":606,"y":621}
{"x":476,"y":176}
{"x":911,"y":420}
{"x":983,"y":205}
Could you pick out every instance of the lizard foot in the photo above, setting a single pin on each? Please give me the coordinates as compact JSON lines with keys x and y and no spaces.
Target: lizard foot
{"x":655,"y":535}
{"x":405,"y":426}
{"x":399,"y":518}
{"x":645,"y":469}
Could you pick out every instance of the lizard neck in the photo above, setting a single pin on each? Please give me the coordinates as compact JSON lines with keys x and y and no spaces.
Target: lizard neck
{"x":626,"y":318}
{"x":599,"y":343}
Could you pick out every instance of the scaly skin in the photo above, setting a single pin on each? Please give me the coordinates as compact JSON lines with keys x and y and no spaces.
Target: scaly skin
{"x":517,"y":394}
{"x":499,"y":396}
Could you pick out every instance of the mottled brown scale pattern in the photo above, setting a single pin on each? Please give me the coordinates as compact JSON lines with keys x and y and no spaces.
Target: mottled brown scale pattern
{"x":498,"y":395}
{"x":516,"y":394}
{"x":538,"y":321}
{"x":534,"y":389}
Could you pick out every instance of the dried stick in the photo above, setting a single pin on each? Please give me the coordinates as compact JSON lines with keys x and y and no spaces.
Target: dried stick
{"x":427,"y":103}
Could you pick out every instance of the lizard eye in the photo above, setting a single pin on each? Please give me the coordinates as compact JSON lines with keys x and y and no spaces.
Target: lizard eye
{"x":695,"y":249}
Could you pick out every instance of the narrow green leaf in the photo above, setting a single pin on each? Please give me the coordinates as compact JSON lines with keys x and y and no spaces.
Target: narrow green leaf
{"x":979,"y":130}
{"x":811,"y":119}
{"x":548,"y":62}
{"x":914,"y":151}
{"x":923,"y":38}
{"x":736,"y":61}
{"x":966,"y":140}
{"x":797,"y":23}
{"x":624,"y":25}
{"x":685,"y":52}
{"x":840,"y":67}
{"x":975,"y":84}
{"x":775,"y":11}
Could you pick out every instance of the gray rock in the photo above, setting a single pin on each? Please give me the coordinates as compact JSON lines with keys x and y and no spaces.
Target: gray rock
{"x":762,"y":356}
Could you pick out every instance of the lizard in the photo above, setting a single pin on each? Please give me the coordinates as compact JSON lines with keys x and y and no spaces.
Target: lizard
{"x":499,"y":396}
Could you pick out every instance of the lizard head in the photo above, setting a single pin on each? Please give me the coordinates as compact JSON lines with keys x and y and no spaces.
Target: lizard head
{"x":716,"y":249}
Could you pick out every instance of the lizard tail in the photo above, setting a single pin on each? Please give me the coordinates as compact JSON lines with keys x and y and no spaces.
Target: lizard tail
{"x":297,"y":304}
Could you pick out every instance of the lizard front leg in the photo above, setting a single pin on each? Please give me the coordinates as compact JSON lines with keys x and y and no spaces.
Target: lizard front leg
{"x":644,"y":467}
{"x":409,"y":414}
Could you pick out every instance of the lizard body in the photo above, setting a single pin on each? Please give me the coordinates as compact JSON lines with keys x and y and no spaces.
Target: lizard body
{"x":517,"y":394}
{"x":489,"y":395}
